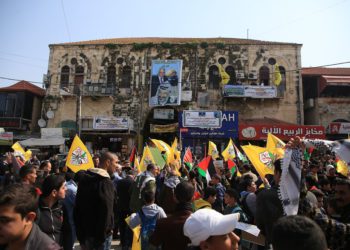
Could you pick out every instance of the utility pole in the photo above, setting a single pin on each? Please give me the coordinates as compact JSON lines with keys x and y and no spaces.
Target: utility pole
{"x":78,"y":109}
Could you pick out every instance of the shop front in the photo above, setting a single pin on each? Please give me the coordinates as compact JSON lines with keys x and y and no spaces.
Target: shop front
{"x":338,"y":130}
{"x":258,"y":129}
{"x":115,"y":134}
{"x":198,"y":127}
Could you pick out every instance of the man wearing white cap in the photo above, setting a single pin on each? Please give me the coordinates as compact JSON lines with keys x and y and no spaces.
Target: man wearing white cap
{"x":209,"y":229}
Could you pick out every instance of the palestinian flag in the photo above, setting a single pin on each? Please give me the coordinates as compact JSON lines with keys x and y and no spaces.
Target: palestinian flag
{"x":307,"y":153}
{"x":203,"y":168}
{"x":132,"y":157}
{"x":188,"y":160}
{"x":232,"y":166}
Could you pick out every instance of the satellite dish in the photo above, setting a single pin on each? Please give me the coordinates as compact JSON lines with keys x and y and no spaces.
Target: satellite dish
{"x":42,"y":123}
{"x":50,"y":114}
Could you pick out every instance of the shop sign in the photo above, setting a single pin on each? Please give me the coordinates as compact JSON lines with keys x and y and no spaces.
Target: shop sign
{"x":51,"y":132}
{"x":6,"y":138}
{"x":339,"y":128}
{"x":284,"y":132}
{"x":186,"y":95}
{"x":111,"y":123}
{"x":10,"y":122}
{"x":163,"y":114}
{"x":169,"y":128}
{"x":233,"y":91}
{"x":250,"y":91}
{"x":202,"y":119}
{"x":260,"y":91}
{"x":228,"y":129}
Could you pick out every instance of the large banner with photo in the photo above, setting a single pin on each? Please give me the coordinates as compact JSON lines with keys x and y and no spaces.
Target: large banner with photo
{"x":165,"y":86}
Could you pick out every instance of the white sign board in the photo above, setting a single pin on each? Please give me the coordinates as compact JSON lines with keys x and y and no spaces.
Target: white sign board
{"x":51,"y":133}
{"x":260,"y":91}
{"x":164,"y":114}
{"x":202,"y":119}
{"x":111,"y":123}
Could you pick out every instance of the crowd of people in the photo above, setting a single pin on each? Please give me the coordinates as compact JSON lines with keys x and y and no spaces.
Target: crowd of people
{"x":45,"y":206}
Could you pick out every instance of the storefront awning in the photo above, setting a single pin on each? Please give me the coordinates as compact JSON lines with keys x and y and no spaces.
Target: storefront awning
{"x":42,"y":142}
{"x":337,"y":80}
{"x":258,"y":129}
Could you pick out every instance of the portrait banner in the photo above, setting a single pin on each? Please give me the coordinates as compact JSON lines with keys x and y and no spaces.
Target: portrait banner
{"x":165,"y":87}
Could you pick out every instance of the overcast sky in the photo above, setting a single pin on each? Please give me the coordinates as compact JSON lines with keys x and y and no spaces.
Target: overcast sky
{"x":27,"y":27}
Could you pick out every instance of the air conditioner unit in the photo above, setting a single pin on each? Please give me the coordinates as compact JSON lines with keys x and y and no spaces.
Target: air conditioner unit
{"x":203,"y":99}
{"x":240,"y":75}
{"x":45,"y":79}
{"x":125,"y":91}
{"x":252,"y":75}
{"x":309,"y":103}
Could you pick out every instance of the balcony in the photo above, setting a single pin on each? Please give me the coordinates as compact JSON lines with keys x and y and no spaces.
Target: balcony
{"x":92,"y":89}
{"x":250,"y":91}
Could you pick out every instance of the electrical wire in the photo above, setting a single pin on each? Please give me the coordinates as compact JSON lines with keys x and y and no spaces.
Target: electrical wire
{"x":65,"y":21}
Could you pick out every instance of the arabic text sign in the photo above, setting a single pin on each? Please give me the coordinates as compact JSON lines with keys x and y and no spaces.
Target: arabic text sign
{"x":202,"y":119}
{"x":284,"y":132}
{"x":339,"y":127}
{"x":6,"y":138}
{"x":228,"y":129}
{"x":107,"y":123}
{"x":250,"y":91}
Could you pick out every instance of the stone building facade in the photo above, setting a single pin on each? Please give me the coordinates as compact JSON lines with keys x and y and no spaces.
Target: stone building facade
{"x":327,"y":99}
{"x":112,"y":76}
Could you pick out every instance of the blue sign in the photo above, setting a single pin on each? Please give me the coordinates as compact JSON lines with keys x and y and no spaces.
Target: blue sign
{"x":229,"y":128}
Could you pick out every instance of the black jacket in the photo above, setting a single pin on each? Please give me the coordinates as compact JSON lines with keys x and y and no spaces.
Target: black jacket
{"x":94,"y":204}
{"x":38,"y":240}
{"x":54,"y":222}
{"x":123,"y":193}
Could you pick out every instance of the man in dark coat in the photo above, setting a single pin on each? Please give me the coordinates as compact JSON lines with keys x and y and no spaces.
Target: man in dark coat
{"x":123,"y":209}
{"x":169,"y":231}
{"x":158,"y":80}
{"x":95,"y":202}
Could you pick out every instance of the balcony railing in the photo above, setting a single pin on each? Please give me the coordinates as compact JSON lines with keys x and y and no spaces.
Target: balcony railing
{"x":93,"y":89}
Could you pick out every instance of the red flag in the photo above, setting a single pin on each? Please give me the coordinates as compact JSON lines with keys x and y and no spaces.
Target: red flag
{"x":132,"y":157}
{"x":203,"y":166}
{"x":188,"y":160}
{"x":231,"y":166}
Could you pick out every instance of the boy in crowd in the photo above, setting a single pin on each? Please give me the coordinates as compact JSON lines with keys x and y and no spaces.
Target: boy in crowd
{"x":18,"y":206}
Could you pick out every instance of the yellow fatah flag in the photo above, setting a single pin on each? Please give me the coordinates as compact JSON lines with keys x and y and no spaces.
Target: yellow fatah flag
{"x":164,"y":147}
{"x":18,"y":148}
{"x":229,"y":152}
{"x":212,"y":150}
{"x":78,"y":157}
{"x":176,"y":152}
{"x":137,"y":164}
{"x":146,"y":159}
{"x":342,"y":168}
{"x":275,"y":146}
{"x":277,"y":77}
{"x":261,"y":159}
{"x":225,"y":78}
{"x":28,"y":155}
{"x":136,"y":242}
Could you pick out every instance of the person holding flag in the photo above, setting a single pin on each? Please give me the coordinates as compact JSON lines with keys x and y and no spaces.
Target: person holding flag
{"x":95,"y":202}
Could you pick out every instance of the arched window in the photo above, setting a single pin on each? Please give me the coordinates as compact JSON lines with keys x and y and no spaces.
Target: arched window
{"x":126,"y":77}
{"x":214,"y":77}
{"x":264,"y":75}
{"x":230,"y":70}
{"x":111,"y":75}
{"x":79,"y":75}
{"x":282,"y":87}
{"x":65,"y":76}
